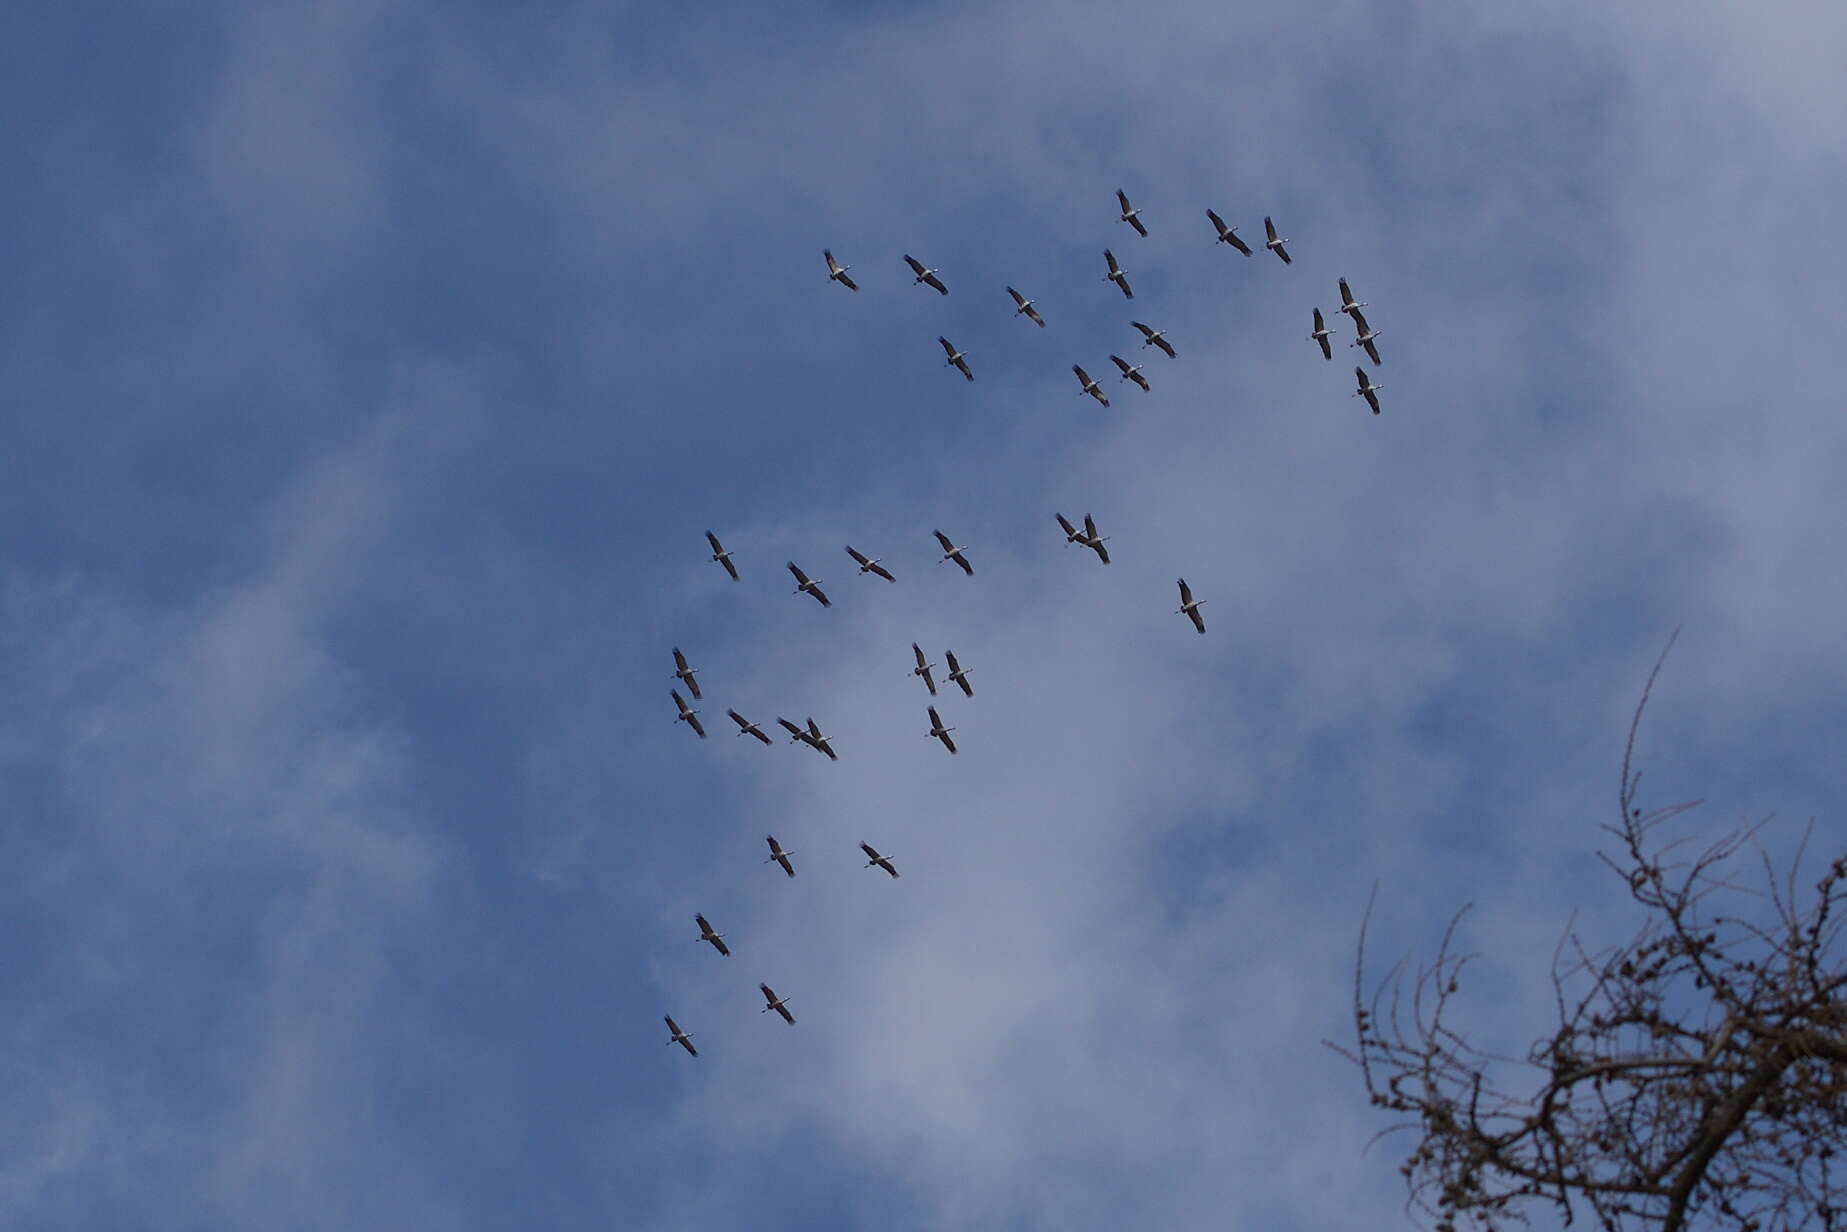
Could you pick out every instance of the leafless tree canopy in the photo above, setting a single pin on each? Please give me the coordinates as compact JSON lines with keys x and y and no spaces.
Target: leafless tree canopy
{"x":1697,"y":1075}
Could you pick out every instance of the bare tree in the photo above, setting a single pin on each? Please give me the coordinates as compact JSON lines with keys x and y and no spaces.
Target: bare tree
{"x":1697,"y":1075}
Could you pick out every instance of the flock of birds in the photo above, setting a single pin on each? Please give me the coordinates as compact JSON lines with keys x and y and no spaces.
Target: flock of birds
{"x":1088,"y":536}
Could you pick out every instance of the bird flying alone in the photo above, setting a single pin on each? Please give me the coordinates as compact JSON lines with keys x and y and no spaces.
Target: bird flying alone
{"x":869,"y":564}
{"x":939,"y":732}
{"x":682,"y":671}
{"x":688,"y":716}
{"x":923,"y":668}
{"x":1155,"y":338}
{"x":1321,"y":335}
{"x":746,"y":727}
{"x":1130,"y":214}
{"x":1025,"y":306}
{"x":1189,"y":606}
{"x":952,"y":552}
{"x":682,"y":1038}
{"x":1131,"y":372}
{"x":925,"y":275}
{"x":1117,"y":275}
{"x":838,"y":272}
{"x":955,"y":357}
{"x":721,"y":556}
{"x":1367,"y":389}
{"x":779,"y":856}
{"x":803,"y":583}
{"x":775,"y":1003}
{"x":1274,"y":244}
{"x":873,"y":858}
{"x":717,"y":939}
{"x":1228,"y":235}
{"x":1090,"y":386}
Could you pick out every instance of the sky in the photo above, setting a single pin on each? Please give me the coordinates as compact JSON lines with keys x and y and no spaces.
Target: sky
{"x":373,"y":369}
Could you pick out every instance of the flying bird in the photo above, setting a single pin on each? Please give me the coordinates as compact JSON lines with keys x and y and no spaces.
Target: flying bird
{"x":1026,"y":306}
{"x":717,"y":939}
{"x":746,"y":727}
{"x":779,"y":856}
{"x":1367,"y":389}
{"x":838,"y":272}
{"x":957,"y":675}
{"x":819,"y":741}
{"x":1321,"y":335}
{"x":939,"y":731}
{"x":1367,"y":334}
{"x":801,"y":735}
{"x":804,"y":583}
{"x":680,"y":1037}
{"x":952,"y":552}
{"x":1274,"y":244}
{"x":1189,"y":606}
{"x":874,"y":858}
{"x":1090,"y":386}
{"x":684,"y":672}
{"x":955,"y":357}
{"x":870,"y":564}
{"x":924,"y":274}
{"x":1116,"y":274}
{"x":775,"y":1003}
{"x":688,"y":716}
{"x":923,"y":668}
{"x":1155,"y":338}
{"x":721,"y":556}
{"x":1131,"y":372}
{"x":1130,"y":214}
{"x":1228,"y":235}
{"x":1347,"y":303}
{"x":1087,"y":537}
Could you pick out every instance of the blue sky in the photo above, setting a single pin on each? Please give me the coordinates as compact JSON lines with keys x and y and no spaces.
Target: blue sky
{"x":373,"y":370}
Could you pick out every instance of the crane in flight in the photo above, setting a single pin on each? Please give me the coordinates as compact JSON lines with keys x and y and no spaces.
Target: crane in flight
{"x":746,"y":727}
{"x":688,"y":715}
{"x":1322,"y":334}
{"x":1155,"y":338}
{"x":779,"y":1004}
{"x":1228,"y":235}
{"x":717,"y":939}
{"x":1274,"y":244}
{"x":1348,"y":304}
{"x":956,"y":358}
{"x":1117,"y":275}
{"x":874,"y":858}
{"x":779,"y":856}
{"x":1366,"y":335}
{"x":721,"y":556}
{"x":1130,"y":214}
{"x":869,"y":564}
{"x":1131,"y":372}
{"x":924,"y":274}
{"x":1090,"y":386}
{"x":939,"y":732}
{"x":923,"y":668}
{"x":1025,"y":307}
{"x":1189,"y":606}
{"x":1088,"y":537}
{"x":838,"y":272}
{"x":952,"y":552}
{"x":682,"y":671}
{"x":819,"y":741}
{"x":803,"y":583}
{"x":958,"y":676}
{"x":682,"y":1038}
{"x":1367,"y":389}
